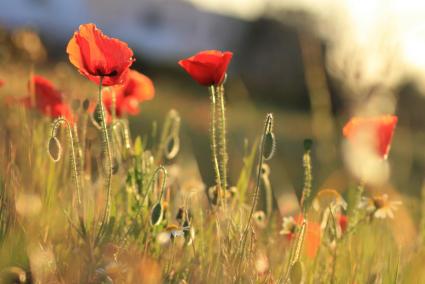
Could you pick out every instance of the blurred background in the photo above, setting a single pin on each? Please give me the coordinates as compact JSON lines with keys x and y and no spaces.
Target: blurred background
{"x":312,"y":63}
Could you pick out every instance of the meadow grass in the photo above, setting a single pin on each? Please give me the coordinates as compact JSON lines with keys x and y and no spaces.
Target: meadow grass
{"x":63,"y":221}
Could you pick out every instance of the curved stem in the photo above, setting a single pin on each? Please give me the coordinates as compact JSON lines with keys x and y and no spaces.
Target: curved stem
{"x":164,"y":180}
{"x":59,"y":121}
{"x":107,"y":149}
{"x":171,"y":124}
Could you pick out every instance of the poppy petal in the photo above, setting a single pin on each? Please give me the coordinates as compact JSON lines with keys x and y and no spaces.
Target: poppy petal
{"x":207,"y":67}
{"x":97,"y":56}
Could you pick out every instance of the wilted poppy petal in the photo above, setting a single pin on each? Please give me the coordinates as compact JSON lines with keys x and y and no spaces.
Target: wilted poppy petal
{"x":380,"y":128}
{"x":136,"y":89}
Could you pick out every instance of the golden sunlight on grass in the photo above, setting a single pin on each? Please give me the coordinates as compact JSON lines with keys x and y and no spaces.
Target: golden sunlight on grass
{"x":114,"y":173}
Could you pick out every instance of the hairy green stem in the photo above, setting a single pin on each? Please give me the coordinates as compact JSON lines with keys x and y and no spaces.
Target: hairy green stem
{"x":308,"y":178}
{"x":107,"y":151}
{"x":78,"y":147}
{"x":172,"y":122}
{"x":355,"y":215}
{"x":164,"y":180}
{"x":257,"y":188}
{"x":222,"y":135}
{"x":295,"y":252}
{"x":214,"y":141}
{"x":59,"y":121}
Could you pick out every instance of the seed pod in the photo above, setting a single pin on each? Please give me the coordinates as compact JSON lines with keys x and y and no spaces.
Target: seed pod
{"x":269,"y":146}
{"x":308,"y":143}
{"x":297,"y":273}
{"x":86,"y":104}
{"x":172,"y":147}
{"x":157,"y":214}
{"x":115,"y":166}
{"x":269,"y":138}
{"x":13,"y":274}
{"x":54,"y":149}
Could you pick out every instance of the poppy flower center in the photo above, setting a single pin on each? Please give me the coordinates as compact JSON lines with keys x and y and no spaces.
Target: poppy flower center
{"x":101,"y":72}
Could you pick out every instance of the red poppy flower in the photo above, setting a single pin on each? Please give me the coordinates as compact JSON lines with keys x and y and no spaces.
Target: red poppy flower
{"x":97,"y":55}
{"x":382,"y":128}
{"x":207,"y":67}
{"x":312,"y":235}
{"x":343,"y":222}
{"x":47,"y":99}
{"x":136,"y":89}
{"x":312,"y":239}
{"x":1,"y":82}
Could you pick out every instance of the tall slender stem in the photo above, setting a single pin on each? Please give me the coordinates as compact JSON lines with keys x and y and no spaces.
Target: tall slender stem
{"x":107,"y":149}
{"x":355,"y":213}
{"x":214,"y":141}
{"x":295,"y":251}
{"x":222,"y":143}
{"x":269,"y":118}
{"x":308,"y":177}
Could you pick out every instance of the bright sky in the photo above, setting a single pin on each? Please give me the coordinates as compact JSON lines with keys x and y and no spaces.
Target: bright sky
{"x":246,"y":9}
{"x":382,"y":34}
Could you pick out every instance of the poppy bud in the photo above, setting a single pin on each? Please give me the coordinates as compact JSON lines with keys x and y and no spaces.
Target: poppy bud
{"x":269,"y":139}
{"x":157,"y":214}
{"x":54,"y":149}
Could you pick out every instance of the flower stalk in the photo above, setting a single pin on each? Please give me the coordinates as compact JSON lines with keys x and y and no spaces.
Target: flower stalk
{"x":224,"y":158}
{"x":76,"y":173}
{"x":308,"y":177}
{"x":62,"y":121}
{"x":268,"y":122}
{"x":108,"y":155}
{"x":355,"y":213}
{"x":214,"y":141}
